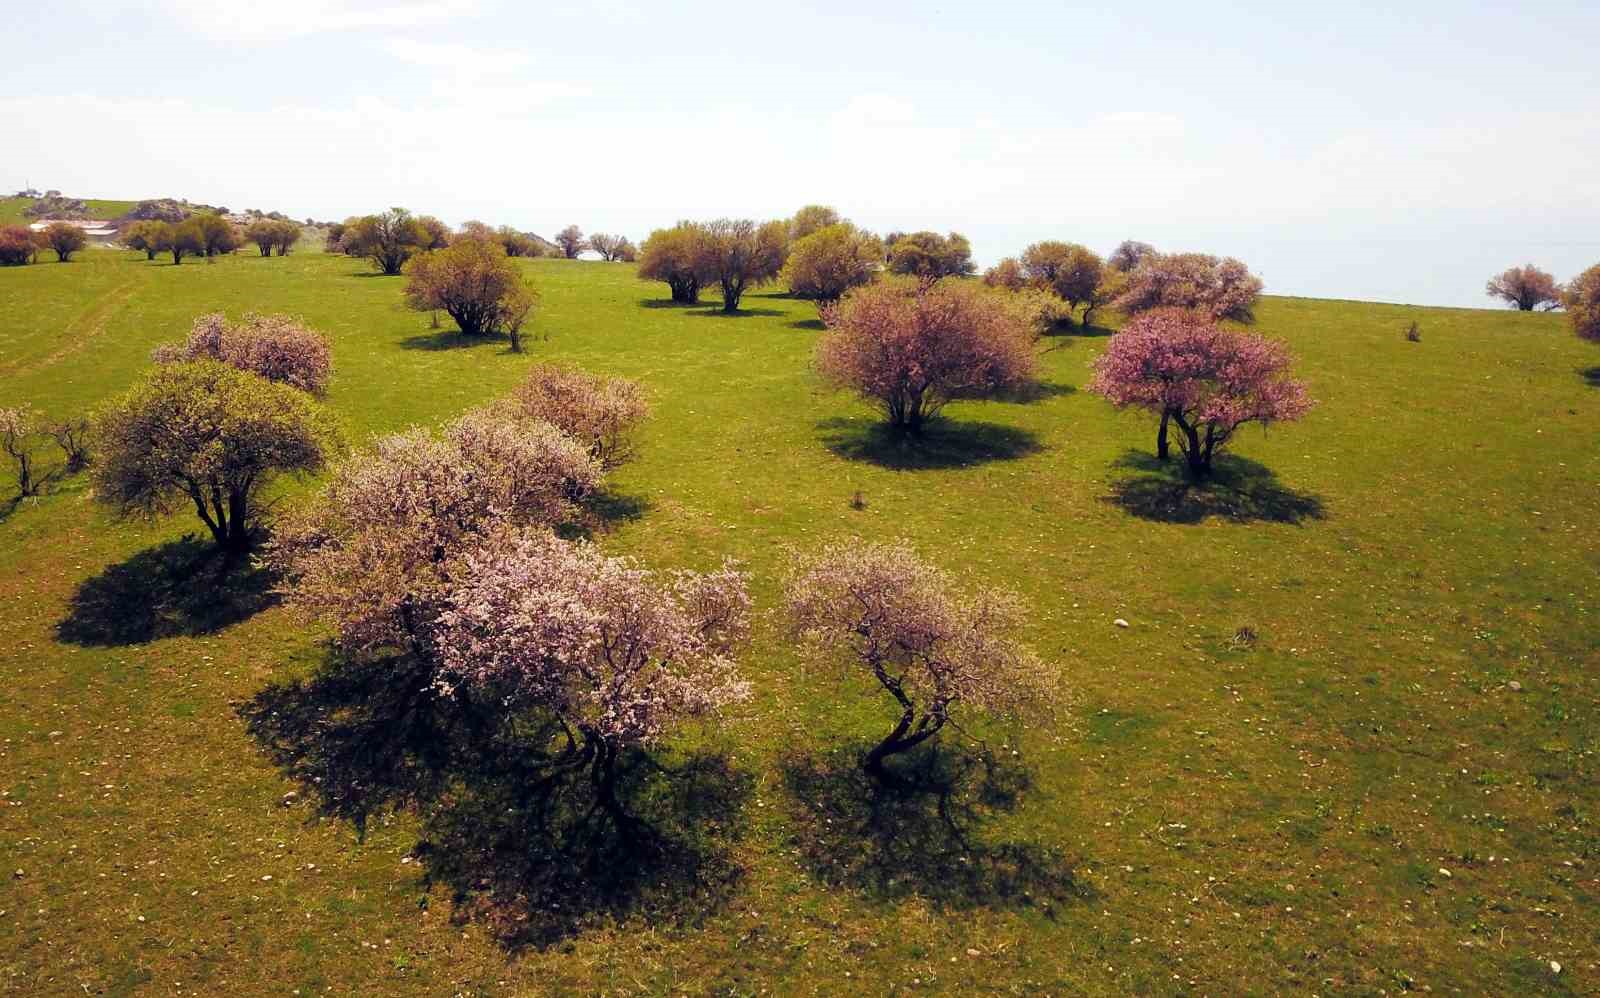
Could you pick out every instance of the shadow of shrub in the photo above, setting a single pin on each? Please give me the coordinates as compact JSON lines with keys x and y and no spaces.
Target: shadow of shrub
{"x":454,"y":339}
{"x":669,"y":303}
{"x":924,"y":835}
{"x":943,"y":443}
{"x":716,"y":312}
{"x":521,"y":847}
{"x":1590,"y":376}
{"x":182,"y":588}
{"x":1240,"y":490}
{"x":1039,"y":391}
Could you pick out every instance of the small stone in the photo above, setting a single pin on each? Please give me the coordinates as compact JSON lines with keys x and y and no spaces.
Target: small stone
{"x":973,"y":952}
{"x":1555,"y":968}
{"x":1120,"y":622}
{"x":19,"y":874}
{"x":1514,"y":686}
{"x":1443,"y":872}
{"x":266,"y":878}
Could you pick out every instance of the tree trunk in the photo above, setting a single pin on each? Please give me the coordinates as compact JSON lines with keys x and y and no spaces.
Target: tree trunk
{"x":1198,"y":454}
{"x":730,"y":297}
{"x":898,"y":741}
{"x":238,"y":538}
{"x":1163,"y":451}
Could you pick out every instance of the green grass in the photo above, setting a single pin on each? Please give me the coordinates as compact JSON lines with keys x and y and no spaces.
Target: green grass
{"x":1267,"y":816}
{"x":11,"y":209}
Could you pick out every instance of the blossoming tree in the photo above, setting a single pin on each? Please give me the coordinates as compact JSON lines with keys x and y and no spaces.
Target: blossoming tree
{"x":1208,"y":381}
{"x":878,"y":609}
{"x":618,"y":658}
{"x":376,"y":551}
{"x":910,"y":351}
{"x":277,"y":347}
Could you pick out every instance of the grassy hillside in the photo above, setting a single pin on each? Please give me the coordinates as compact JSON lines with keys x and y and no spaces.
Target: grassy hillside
{"x":11,"y":209}
{"x":1356,"y":800}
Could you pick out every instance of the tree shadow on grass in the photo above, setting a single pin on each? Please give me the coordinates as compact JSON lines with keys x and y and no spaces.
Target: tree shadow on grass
{"x":716,"y":312}
{"x":923,"y":835}
{"x":452,"y":339}
{"x":943,"y":443}
{"x":606,"y":510}
{"x":814,"y":325}
{"x":1039,"y":391}
{"x":1590,"y":376}
{"x":669,"y":303}
{"x":1240,"y":490}
{"x":520,"y":847}
{"x":181,"y":588}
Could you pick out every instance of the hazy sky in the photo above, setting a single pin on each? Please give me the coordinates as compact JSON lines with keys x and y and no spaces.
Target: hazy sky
{"x":1343,"y":150}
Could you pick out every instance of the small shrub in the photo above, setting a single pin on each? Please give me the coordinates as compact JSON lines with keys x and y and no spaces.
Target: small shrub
{"x":1413,"y":334}
{"x":72,"y":436}
{"x":19,"y":432}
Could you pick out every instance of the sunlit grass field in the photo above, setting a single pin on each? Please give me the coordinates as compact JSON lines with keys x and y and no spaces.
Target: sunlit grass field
{"x":1302,"y":768}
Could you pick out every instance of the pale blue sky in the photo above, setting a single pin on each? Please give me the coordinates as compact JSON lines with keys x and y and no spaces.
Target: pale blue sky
{"x":1347,"y":151}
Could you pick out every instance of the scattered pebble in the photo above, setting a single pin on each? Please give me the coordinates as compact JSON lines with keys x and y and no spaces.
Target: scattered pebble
{"x":1514,"y":686}
{"x":1120,"y":622}
{"x":1443,"y":872}
{"x":1555,"y":968}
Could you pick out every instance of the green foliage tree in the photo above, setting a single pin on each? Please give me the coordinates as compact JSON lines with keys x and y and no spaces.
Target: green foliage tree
{"x":211,"y":435}
{"x":673,"y":255}
{"x":811,"y":218}
{"x":831,"y":260}
{"x":65,"y":238}
{"x":388,"y":240}
{"x":739,"y":254}
{"x":931,"y":256}
{"x":475,"y":284}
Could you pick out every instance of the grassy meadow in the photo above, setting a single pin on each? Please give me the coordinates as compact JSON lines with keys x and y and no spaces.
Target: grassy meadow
{"x":1303,"y":767}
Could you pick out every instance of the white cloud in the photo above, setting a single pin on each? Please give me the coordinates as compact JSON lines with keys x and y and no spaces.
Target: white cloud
{"x":273,"y":20}
{"x":459,"y":58}
{"x":875,"y":111}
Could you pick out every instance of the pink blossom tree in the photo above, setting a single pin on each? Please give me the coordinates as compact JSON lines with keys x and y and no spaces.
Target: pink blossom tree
{"x":277,"y":347}
{"x":599,"y":412}
{"x":912,"y":350}
{"x":1525,"y":289}
{"x":375,"y":552}
{"x":616,"y":657}
{"x":880,"y":610}
{"x":1207,"y":380}
{"x":1219,"y":288}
